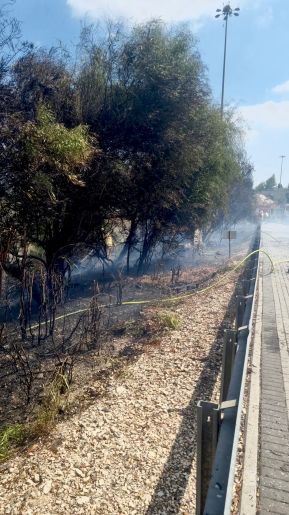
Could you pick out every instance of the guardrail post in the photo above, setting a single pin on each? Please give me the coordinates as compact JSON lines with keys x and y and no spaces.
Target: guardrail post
{"x":208,"y":422}
{"x":251,"y":272}
{"x":248,"y":273}
{"x":229,"y":351}
{"x":245,"y":286}
{"x":241,"y":304}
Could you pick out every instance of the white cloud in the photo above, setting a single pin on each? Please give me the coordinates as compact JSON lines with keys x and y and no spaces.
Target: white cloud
{"x":281,"y":88}
{"x":266,"y":136}
{"x":269,"y":115}
{"x":169,"y":10}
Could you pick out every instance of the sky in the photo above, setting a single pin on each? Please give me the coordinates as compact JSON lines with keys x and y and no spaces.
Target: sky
{"x":257,"y":72}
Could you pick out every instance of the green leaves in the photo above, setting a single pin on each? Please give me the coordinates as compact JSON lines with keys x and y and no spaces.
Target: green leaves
{"x":152,"y":153}
{"x":53,"y":146}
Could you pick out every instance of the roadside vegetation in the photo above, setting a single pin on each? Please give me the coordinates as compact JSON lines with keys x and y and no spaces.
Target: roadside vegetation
{"x":125,"y":135}
{"x":121,"y":136}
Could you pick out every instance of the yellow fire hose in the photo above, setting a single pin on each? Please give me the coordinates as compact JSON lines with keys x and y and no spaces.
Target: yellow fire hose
{"x":174,"y":298}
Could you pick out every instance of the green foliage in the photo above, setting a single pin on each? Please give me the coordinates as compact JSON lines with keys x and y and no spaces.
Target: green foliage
{"x":147,"y":96}
{"x":52,"y":146}
{"x":169,"y":321}
{"x":11,"y":437}
{"x":44,"y":173}
{"x":44,"y":76}
{"x":45,"y":416}
{"x":133,"y":138}
{"x":53,"y":402}
{"x":269,"y":184}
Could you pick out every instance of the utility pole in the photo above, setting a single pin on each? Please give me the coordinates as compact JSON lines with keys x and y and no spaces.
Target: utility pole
{"x":226,"y":12}
{"x":282,"y":158}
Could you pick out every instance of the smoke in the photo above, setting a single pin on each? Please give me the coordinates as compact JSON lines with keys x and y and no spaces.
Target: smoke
{"x":187,"y":253}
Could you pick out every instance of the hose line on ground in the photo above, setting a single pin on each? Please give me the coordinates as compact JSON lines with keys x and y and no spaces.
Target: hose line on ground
{"x":171,"y":299}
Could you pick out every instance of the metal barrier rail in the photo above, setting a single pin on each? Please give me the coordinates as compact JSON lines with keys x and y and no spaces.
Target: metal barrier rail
{"x":219,"y":424}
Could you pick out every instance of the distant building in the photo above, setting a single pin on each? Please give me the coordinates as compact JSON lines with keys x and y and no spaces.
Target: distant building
{"x":273,"y":203}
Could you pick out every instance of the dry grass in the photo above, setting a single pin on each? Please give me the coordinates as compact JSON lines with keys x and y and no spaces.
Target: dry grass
{"x":14,"y":436}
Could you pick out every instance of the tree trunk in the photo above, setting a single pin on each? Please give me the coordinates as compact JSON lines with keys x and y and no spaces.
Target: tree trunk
{"x":148,"y":244}
{"x":129,"y":243}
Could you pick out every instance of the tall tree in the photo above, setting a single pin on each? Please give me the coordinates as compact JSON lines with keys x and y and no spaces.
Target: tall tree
{"x":174,"y":160}
{"x":45,"y":180}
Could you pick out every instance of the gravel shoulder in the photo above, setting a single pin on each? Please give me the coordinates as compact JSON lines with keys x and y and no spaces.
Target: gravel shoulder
{"x":132,"y":450}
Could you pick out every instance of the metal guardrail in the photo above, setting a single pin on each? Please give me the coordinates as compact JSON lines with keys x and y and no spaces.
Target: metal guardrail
{"x":219,"y":424}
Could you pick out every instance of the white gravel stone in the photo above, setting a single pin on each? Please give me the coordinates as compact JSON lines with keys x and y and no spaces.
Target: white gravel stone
{"x":110,"y":457}
{"x":47,"y":487}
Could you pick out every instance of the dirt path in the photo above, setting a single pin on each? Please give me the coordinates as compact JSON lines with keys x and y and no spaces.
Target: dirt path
{"x":133,"y":450}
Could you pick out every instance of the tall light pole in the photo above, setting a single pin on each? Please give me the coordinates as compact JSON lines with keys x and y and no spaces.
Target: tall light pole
{"x":282,"y":158}
{"x":226,"y":12}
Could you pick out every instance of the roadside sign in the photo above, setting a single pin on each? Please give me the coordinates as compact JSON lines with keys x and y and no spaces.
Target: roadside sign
{"x":230,"y":235}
